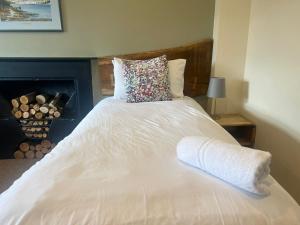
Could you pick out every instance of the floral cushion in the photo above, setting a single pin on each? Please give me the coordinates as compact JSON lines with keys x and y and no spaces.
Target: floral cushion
{"x":146,"y":80}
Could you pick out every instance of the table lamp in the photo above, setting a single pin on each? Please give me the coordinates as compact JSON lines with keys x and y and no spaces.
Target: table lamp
{"x":216,"y":89}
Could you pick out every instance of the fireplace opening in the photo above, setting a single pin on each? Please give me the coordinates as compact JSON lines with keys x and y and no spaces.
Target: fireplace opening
{"x":10,"y":90}
{"x":41,"y":102}
{"x":36,"y":107}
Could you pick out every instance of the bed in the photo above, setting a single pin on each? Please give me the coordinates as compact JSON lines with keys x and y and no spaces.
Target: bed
{"x":119,"y":167}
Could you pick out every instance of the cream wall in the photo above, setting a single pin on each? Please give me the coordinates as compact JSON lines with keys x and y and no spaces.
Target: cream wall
{"x":105,"y":27}
{"x":257,"y":50}
{"x":230,"y":44}
{"x":272,"y":81}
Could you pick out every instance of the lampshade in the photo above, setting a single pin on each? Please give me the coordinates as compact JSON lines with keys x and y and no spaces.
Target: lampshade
{"x":216,"y":88}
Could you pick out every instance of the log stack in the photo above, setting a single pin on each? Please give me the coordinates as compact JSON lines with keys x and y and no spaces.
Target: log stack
{"x":35,"y":112}
{"x":37,"y":129}
{"x":29,"y":150}
{"x":38,"y":106}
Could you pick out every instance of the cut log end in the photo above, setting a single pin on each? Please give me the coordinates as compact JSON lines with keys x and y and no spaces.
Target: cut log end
{"x":38,"y":115}
{"x":32,"y":112}
{"x":45,"y":150}
{"x":46,"y":144}
{"x":15,"y":103}
{"x":41,"y":99}
{"x":28,"y":98}
{"x":18,"y":114}
{"x":36,"y":107}
{"x":26,"y":115}
{"x":24,"y":108}
{"x":57,"y":114}
{"x":19,"y":155}
{"x":38,"y":147}
{"x":39,"y":155}
{"x":30,"y":155}
{"x":24,"y":147}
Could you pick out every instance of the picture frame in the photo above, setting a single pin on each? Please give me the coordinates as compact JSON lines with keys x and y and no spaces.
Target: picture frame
{"x":30,"y":15}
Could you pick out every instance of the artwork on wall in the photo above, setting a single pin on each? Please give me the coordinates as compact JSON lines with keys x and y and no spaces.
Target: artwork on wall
{"x":30,"y":15}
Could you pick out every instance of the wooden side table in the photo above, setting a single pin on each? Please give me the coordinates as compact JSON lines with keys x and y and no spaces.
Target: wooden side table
{"x":242,"y":129}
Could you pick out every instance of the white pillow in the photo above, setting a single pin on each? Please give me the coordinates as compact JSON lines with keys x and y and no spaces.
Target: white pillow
{"x":120,"y":90}
{"x":175,"y":76}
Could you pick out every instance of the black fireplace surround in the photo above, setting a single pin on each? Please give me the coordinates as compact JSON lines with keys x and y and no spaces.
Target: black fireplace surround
{"x":21,"y":76}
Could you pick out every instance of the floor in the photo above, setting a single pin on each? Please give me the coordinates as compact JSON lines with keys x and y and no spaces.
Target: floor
{"x":12,"y":169}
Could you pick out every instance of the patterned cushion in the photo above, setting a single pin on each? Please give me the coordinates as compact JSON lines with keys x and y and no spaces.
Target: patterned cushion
{"x":146,"y":80}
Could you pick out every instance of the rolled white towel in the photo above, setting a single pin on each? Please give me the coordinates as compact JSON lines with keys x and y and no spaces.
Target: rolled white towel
{"x":243,"y":167}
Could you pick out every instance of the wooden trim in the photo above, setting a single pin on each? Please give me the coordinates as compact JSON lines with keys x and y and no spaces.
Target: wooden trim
{"x":197,"y":71}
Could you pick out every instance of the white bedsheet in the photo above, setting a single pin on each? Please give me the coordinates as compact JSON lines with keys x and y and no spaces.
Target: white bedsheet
{"x":119,"y":167}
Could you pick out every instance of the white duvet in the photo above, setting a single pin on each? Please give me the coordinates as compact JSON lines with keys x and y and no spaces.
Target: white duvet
{"x":119,"y":167}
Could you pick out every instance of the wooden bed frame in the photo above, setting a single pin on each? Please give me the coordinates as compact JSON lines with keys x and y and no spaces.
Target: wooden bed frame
{"x":197,"y":71}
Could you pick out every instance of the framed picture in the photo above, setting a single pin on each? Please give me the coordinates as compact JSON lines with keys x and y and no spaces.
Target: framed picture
{"x":30,"y":15}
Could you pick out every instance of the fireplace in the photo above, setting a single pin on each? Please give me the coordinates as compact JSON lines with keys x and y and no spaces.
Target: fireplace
{"x":67,"y":79}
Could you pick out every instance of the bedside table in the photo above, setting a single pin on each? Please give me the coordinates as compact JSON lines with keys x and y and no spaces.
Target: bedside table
{"x":239,"y":127}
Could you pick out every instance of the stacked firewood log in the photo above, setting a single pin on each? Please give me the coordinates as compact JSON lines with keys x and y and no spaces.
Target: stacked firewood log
{"x":35,"y":113}
{"x":38,"y":129}
{"x":37,"y":106}
{"x":33,"y":151}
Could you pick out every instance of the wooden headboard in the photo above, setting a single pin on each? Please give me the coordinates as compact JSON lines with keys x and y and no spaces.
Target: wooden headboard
{"x":197,"y":71}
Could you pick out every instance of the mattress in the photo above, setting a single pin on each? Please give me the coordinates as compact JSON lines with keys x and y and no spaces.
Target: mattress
{"x":119,"y":167}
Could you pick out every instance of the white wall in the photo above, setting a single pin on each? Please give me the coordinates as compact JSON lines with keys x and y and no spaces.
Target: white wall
{"x":230,"y":44}
{"x":272,"y":84}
